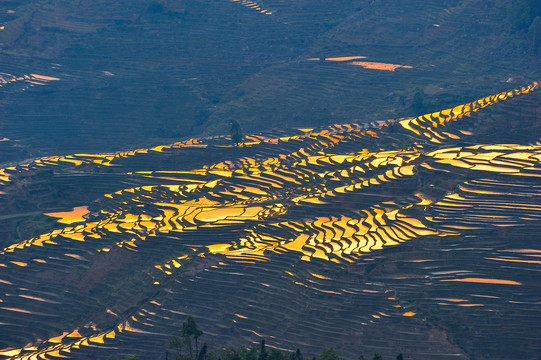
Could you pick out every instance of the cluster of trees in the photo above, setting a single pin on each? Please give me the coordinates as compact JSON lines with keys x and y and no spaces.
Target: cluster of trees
{"x":182,"y":348}
{"x":522,"y":13}
{"x":525,"y":15}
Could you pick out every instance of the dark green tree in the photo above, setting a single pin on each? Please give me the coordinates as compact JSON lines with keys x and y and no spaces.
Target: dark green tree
{"x":361,"y":357}
{"x":203,"y":353}
{"x":521,"y":13}
{"x":236,"y":133}
{"x":329,"y":354}
{"x":262,"y":350}
{"x":189,"y":329}
{"x":400,"y":357}
{"x":377,"y":357}
{"x":131,"y":357}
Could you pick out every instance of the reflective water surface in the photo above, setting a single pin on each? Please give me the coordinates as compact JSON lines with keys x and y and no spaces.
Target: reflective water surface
{"x":381,"y":231}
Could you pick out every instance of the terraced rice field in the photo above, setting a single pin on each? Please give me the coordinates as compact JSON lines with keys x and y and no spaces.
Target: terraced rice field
{"x":416,"y":235}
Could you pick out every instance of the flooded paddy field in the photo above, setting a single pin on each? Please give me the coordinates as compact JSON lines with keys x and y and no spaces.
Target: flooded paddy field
{"x":417,"y":236}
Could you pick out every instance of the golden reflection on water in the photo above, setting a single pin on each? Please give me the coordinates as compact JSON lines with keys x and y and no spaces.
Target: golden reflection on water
{"x":516,"y":260}
{"x":372,"y":65}
{"x":19,"y":263}
{"x":484,"y":281}
{"x":380,"y":66}
{"x":57,"y":347}
{"x":424,"y":126}
{"x":259,"y":194}
{"x":10,"y":352}
{"x":4,"y":176}
{"x":317,"y":239}
{"x":343,"y":58}
{"x":331,"y":239}
{"x":31,"y":79}
{"x":43,"y":77}
{"x":253,"y":5}
{"x":69,"y":217}
{"x":525,"y":251}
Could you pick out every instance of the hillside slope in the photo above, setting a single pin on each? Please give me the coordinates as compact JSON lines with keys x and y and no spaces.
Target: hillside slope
{"x":112,"y":75}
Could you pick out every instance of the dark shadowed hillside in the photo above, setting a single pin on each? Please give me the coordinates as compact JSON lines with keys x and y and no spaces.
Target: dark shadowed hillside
{"x":118,"y":74}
